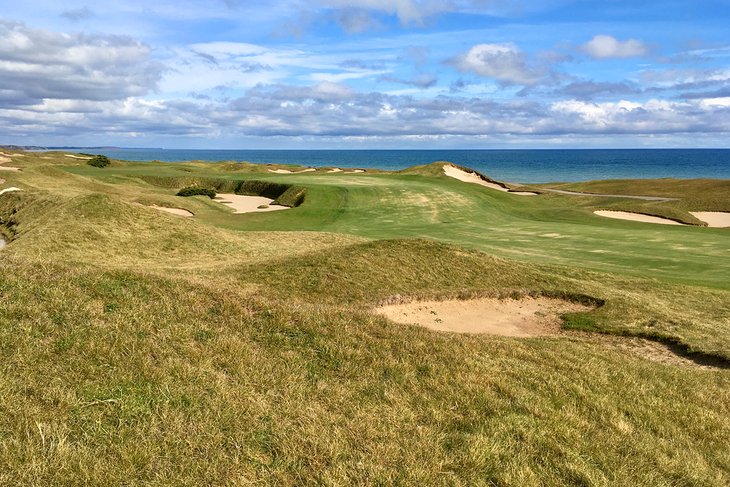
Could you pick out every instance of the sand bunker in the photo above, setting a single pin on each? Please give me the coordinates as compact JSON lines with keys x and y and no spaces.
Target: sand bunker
{"x":73,"y":156}
{"x":636,"y":217}
{"x":336,"y":169}
{"x":506,"y":317}
{"x":715,"y":219}
{"x":174,"y":211}
{"x":474,"y":178}
{"x":248,"y":204}
{"x":309,"y":169}
{"x":9,"y":190}
{"x":280,"y":171}
{"x":3,"y":160}
{"x":356,"y":171}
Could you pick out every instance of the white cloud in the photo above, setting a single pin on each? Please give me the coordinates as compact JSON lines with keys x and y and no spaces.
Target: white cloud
{"x":608,"y":47}
{"x":503,"y":62}
{"x":38,"y":64}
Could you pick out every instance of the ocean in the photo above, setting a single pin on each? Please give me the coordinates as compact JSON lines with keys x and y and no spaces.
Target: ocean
{"x":519,"y":166}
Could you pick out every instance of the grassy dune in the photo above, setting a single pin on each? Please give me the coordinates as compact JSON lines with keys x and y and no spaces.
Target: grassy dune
{"x":144,"y":348}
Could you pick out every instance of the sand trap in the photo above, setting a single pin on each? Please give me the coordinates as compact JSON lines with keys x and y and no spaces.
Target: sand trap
{"x":73,"y":156}
{"x":280,"y":171}
{"x":356,"y":171}
{"x":174,"y":211}
{"x":247,"y":204}
{"x":309,"y":169}
{"x":474,"y":178}
{"x":9,"y":190}
{"x":508,"y":317}
{"x":4,"y":159}
{"x":336,"y":169}
{"x":636,"y":217}
{"x":715,"y":219}
{"x":6,"y":168}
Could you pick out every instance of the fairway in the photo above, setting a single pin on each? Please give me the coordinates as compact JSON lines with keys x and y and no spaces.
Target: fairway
{"x":150,"y":338}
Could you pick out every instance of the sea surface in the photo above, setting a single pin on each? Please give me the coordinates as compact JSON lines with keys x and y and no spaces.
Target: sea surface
{"x":522,"y":166}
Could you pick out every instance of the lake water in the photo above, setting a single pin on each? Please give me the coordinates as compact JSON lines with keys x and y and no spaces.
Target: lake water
{"x":525,"y":166}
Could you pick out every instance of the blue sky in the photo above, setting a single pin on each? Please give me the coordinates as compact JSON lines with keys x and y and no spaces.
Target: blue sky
{"x":365,"y":73}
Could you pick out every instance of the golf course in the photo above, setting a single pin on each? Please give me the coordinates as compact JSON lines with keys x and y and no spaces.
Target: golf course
{"x":231,"y":323}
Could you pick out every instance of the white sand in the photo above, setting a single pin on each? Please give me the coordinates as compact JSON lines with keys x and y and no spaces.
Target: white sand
{"x":509,"y":317}
{"x":336,"y":169}
{"x":280,"y":171}
{"x":474,"y":178}
{"x":73,"y":156}
{"x":9,"y":190}
{"x":174,"y":211}
{"x":309,"y":169}
{"x":636,"y":217}
{"x":356,"y":171}
{"x":4,"y":159}
{"x":6,"y":168}
{"x":247,"y":204}
{"x":715,"y":219}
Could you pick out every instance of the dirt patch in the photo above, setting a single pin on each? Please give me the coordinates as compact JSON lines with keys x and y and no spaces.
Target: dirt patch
{"x":636,"y":217}
{"x":248,"y":204}
{"x":715,"y":219}
{"x":174,"y":211}
{"x":506,"y":317}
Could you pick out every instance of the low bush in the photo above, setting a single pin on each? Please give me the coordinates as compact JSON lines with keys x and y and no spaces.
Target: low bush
{"x":99,"y":161}
{"x":196,"y":191}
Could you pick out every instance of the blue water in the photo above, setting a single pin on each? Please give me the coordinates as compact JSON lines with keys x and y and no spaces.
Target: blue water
{"x":524,"y":166}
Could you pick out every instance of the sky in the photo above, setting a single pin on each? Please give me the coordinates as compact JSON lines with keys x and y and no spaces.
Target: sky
{"x":365,"y":74}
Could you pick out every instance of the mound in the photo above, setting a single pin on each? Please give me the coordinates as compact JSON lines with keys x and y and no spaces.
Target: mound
{"x":506,"y":317}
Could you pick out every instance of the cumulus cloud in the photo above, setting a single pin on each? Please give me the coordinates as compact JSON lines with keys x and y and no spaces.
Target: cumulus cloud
{"x":503,"y":62}
{"x":608,"y":47}
{"x":38,"y":64}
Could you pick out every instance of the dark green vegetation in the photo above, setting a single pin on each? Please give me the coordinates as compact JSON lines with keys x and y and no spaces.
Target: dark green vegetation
{"x":197,"y":191}
{"x":99,"y":161}
{"x":138,"y":347}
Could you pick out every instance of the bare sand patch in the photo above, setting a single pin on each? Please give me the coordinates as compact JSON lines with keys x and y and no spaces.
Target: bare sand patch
{"x":9,"y":190}
{"x":280,"y":171}
{"x":174,"y":211}
{"x":506,"y":317}
{"x":636,"y":217}
{"x":356,"y":171}
{"x":7,"y":168}
{"x":474,"y":178}
{"x":4,"y":159}
{"x":74,"y":156}
{"x":247,"y":204}
{"x":309,"y":169}
{"x":336,"y":169}
{"x":715,"y":219}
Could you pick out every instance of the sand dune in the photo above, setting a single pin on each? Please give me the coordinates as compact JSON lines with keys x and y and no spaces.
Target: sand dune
{"x":715,"y":219}
{"x":636,"y":217}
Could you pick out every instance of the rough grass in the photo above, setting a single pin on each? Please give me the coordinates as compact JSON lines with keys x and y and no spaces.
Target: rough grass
{"x":140,"y":348}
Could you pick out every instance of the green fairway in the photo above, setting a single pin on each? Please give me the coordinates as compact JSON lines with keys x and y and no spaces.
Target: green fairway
{"x":144,"y":348}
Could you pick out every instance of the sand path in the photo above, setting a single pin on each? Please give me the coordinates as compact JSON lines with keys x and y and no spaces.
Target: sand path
{"x":247,"y":204}
{"x":508,"y":317}
{"x":578,"y":193}
{"x":714,"y":219}
{"x":636,"y":217}
{"x":474,"y":178}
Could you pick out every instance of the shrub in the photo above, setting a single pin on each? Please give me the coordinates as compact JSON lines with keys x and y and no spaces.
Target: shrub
{"x":99,"y":161}
{"x":195,"y":191}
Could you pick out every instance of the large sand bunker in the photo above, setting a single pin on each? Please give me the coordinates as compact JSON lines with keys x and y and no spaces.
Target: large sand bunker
{"x":3,"y":159}
{"x":715,"y":219}
{"x":474,"y":178}
{"x":636,"y":217}
{"x":248,"y":204}
{"x":506,"y":317}
{"x":9,"y":190}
